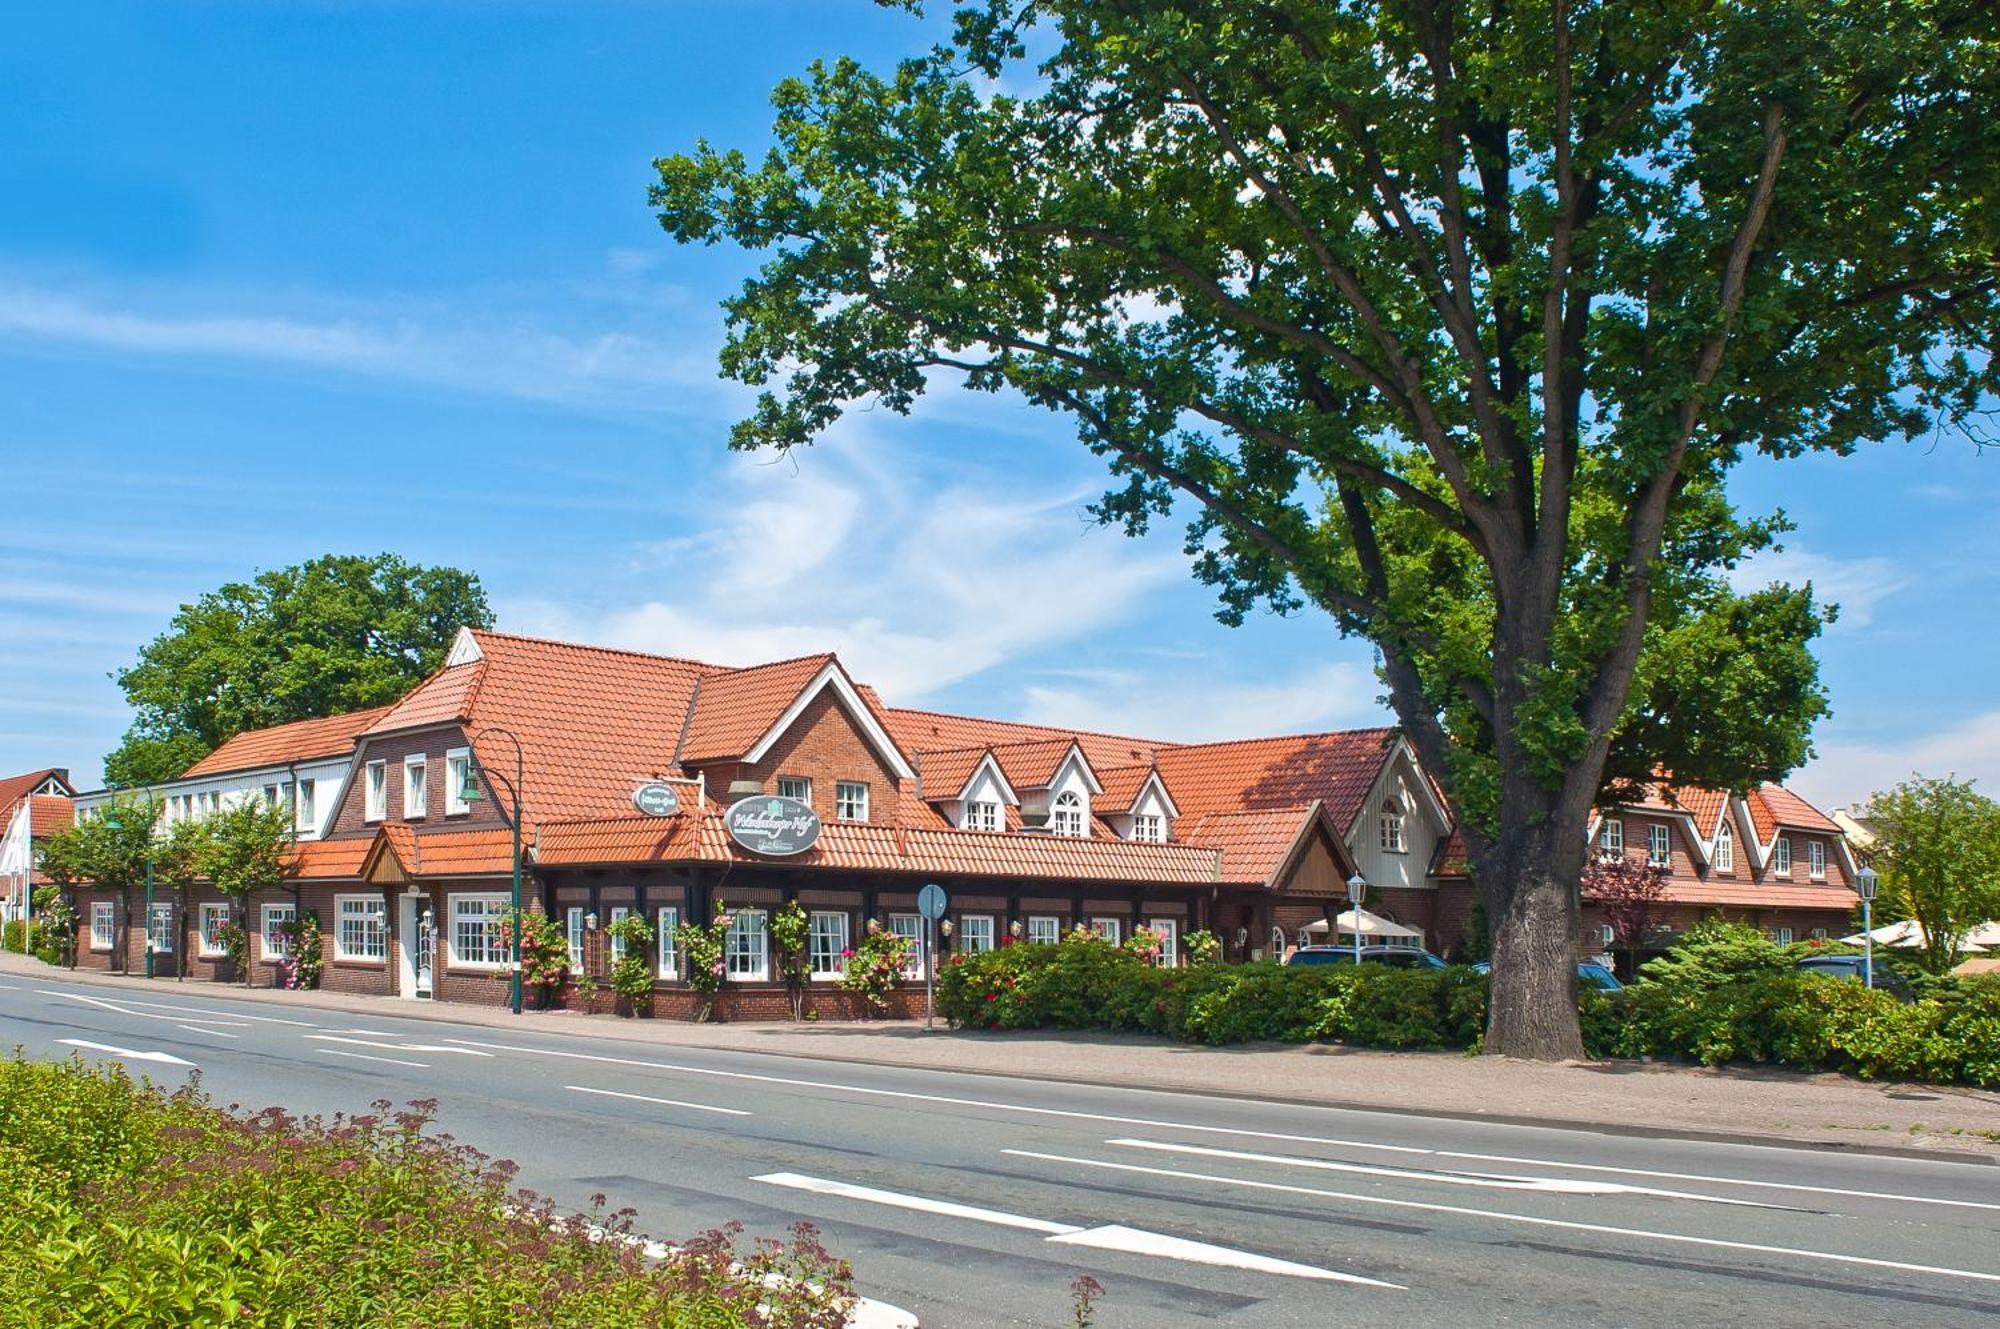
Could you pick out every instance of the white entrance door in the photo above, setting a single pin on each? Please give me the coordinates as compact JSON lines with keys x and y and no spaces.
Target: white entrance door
{"x":414,"y":944}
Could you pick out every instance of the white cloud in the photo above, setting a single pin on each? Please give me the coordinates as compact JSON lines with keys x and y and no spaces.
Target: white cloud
{"x":1191,"y":706}
{"x":1857,"y":585}
{"x":1846,"y":773}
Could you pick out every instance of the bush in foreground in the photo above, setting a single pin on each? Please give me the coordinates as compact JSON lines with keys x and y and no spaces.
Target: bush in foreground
{"x":127,"y":1205}
{"x":1725,"y":994}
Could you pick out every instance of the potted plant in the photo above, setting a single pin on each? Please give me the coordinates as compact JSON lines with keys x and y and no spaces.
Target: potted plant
{"x":632,"y":973}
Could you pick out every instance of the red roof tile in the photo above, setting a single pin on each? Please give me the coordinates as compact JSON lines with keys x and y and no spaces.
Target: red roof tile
{"x":1121,"y":786}
{"x":48,"y":814}
{"x":329,"y":859}
{"x":14,"y":788}
{"x":944,"y":774}
{"x":1722,"y":891}
{"x":1784,"y":808}
{"x":1255,"y":843}
{"x":934,"y":731}
{"x":737,"y":707}
{"x":302,"y":740}
{"x":1337,"y":768}
{"x":459,"y":853}
{"x":1451,"y":860}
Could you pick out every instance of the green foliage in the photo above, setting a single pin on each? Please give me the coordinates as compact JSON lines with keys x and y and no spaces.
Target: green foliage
{"x":875,"y":965}
{"x":1938,"y":849}
{"x":544,"y":948}
{"x":41,"y":941}
{"x":790,"y":930}
{"x":243,"y":848}
{"x":1201,"y":947}
{"x":1716,"y":951}
{"x":632,"y":972}
{"x":338,"y":633}
{"x":703,"y":950}
{"x":130,"y":1206}
{"x":305,"y":956}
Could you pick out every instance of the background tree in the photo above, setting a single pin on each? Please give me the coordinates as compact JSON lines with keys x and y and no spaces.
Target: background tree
{"x":246,"y":849}
{"x":1446,"y":318}
{"x":61,"y":859}
{"x":1628,"y":890}
{"x":1937,"y":847}
{"x":340,"y":633}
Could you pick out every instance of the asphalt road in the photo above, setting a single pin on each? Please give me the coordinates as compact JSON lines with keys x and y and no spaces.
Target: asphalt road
{"x":973,"y":1200}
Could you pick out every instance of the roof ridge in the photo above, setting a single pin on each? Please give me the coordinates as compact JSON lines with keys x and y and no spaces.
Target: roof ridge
{"x":1281,"y":738}
{"x":1029,"y":724}
{"x":567,"y":644}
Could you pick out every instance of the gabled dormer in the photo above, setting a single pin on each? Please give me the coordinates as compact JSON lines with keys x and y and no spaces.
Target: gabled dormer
{"x":1055,"y":795}
{"x":1135,"y":803}
{"x":968,"y":788}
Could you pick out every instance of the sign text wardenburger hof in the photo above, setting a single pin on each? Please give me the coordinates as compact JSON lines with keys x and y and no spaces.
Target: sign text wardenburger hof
{"x":777,"y":827}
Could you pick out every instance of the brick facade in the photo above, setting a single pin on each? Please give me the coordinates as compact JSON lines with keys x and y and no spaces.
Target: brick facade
{"x":392,"y":750}
{"x":825,"y":746}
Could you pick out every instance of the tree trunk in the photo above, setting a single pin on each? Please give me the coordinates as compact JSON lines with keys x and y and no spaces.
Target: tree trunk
{"x":1531,"y":887}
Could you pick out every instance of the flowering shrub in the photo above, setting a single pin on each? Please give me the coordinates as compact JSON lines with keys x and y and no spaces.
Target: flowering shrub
{"x":706,"y":967}
{"x":235,"y":943}
{"x":1146,"y":943}
{"x":632,"y":972}
{"x":303,"y":956}
{"x":791,"y":929}
{"x":875,"y":965}
{"x":129,"y":1205}
{"x":1201,"y":946}
{"x":544,"y":949}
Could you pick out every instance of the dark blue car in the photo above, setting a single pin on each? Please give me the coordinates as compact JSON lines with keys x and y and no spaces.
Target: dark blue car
{"x":1589,"y":974}
{"x":1402,"y":957}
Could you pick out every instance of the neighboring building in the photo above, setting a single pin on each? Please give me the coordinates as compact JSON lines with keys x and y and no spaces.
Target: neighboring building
{"x":407,"y":855}
{"x":33,"y":807}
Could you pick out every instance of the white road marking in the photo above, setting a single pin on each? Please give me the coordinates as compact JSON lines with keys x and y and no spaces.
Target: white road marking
{"x":646,"y":1098}
{"x":1109,"y":1237}
{"x":368,"y":1033}
{"x":10,"y":987}
{"x":397,"y":1047}
{"x":363,"y":1056}
{"x":1136,"y":1241}
{"x":125,"y":1054}
{"x":1546,"y":1185}
{"x":923,"y":1205}
{"x":1328,"y":1142}
{"x":194,"y":1013}
{"x":197,"y":1029}
{"x":1529,"y":1219}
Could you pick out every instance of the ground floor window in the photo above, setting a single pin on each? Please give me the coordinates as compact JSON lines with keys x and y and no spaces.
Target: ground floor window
{"x":161,"y":932}
{"x":1168,"y":930}
{"x":103,"y":915}
{"x":618,"y":942}
{"x":975,"y":933}
{"x":475,"y":931}
{"x":212,"y":919}
{"x":363,"y":933}
{"x":276,"y":944}
{"x":1818,"y":934}
{"x":747,"y":947}
{"x":1783,"y":936}
{"x":828,"y":944}
{"x":670,"y":923}
{"x":573,"y":932}
{"x":910,"y":927}
{"x":1107,"y":928}
{"x":1606,"y":937}
{"x":1045,"y":929}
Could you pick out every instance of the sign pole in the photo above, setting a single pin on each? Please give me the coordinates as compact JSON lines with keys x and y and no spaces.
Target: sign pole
{"x":930,"y":972}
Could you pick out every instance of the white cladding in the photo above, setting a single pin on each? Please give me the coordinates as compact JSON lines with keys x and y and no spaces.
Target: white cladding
{"x":1422,"y":828}
{"x":234,"y":788}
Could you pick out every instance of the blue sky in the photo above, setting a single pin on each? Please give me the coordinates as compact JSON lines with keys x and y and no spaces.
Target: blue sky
{"x":277,"y":280}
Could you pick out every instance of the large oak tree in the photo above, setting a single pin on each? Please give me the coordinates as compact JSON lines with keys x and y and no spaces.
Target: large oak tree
{"x":1449,"y":318}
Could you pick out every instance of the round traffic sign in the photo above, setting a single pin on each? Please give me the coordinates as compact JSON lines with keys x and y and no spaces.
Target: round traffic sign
{"x":932,"y":902}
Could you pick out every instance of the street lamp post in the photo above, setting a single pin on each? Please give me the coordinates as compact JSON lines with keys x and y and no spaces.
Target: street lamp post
{"x":1865,"y":882}
{"x":1357,"y":891}
{"x":471,"y":793}
{"x":111,"y":819}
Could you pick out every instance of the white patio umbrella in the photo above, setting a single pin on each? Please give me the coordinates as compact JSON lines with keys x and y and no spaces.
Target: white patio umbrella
{"x":1908,"y":935}
{"x":1372,"y":925}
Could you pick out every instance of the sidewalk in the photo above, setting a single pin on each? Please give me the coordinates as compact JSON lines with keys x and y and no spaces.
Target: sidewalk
{"x":1623,"y":1097}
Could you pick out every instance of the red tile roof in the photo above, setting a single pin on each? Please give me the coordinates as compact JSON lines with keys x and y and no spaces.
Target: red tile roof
{"x":944,"y":774}
{"x":49,"y":813}
{"x":935,"y":731}
{"x":1451,"y":860}
{"x":1255,"y":843}
{"x":458,"y":853}
{"x":737,"y":707}
{"x":329,"y":859}
{"x":1337,"y":768}
{"x":1779,"y":806}
{"x":1121,"y":786}
{"x":14,"y":788}
{"x":1722,"y":891}
{"x":302,"y":740}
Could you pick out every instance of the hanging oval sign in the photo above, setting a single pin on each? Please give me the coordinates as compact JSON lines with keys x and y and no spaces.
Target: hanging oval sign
{"x":778,"y":827}
{"x":656,"y":798}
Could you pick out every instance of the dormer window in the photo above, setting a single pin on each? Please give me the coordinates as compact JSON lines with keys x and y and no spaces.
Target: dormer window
{"x":1149,"y":826}
{"x":376,"y":791}
{"x":850,"y":800}
{"x":1725,"y":849}
{"x":1781,"y":857}
{"x":1389,"y":830}
{"x":416,"y":788}
{"x":1066,"y":814}
{"x":1659,"y":847}
{"x":982,"y":816}
{"x":1611,"y":837}
{"x":1816,"y":859}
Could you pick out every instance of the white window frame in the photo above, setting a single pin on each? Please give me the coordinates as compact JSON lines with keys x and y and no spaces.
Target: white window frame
{"x":850,"y":800}
{"x":1659,"y":846}
{"x":457,"y":764}
{"x":1607,"y":936}
{"x":1816,"y":859}
{"x":306,"y":817}
{"x":104,"y":911}
{"x":737,"y":957}
{"x":275,"y":916}
{"x":982,"y":815}
{"x":1111,"y":929}
{"x":830,"y":932}
{"x":270,"y":795}
{"x":416,"y":787}
{"x":492,"y":954}
{"x":160,"y":927}
{"x":1783,"y":936}
{"x":374,"y":910}
{"x":911,"y":926}
{"x":1169,"y":930}
{"x":1067,"y":814}
{"x":669,"y":922}
{"x":1389,"y":829}
{"x":1044,"y":929}
{"x":1817,"y":934}
{"x":1611,"y":836}
{"x":1725,"y":848}
{"x":799,"y":787}
{"x":1149,"y":827}
{"x":573,"y":936}
{"x":1781,"y":856}
{"x":375,"y":791}
{"x":618,"y":947}
{"x":206,"y":944}
{"x":979,"y":925}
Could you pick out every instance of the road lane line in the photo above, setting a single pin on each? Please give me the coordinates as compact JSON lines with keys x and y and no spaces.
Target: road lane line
{"x":646,"y":1098}
{"x":1108,"y":1237}
{"x":125,"y":1054}
{"x":1542,"y":1185}
{"x":396,"y":1047}
{"x":363,"y":1056}
{"x":195,"y":1013}
{"x":197,"y":1029}
{"x":1241,"y":1132}
{"x":922,"y":1204}
{"x":1500,"y":1216}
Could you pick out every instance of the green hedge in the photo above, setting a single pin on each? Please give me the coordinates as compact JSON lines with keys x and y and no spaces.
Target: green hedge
{"x":126,"y":1206}
{"x":1725,"y":994}
{"x":41,"y":942}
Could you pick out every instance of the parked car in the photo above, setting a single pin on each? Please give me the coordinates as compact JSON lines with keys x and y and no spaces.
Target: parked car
{"x":1850,"y":967}
{"x":1589,"y":974}
{"x":1402,"y":957}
